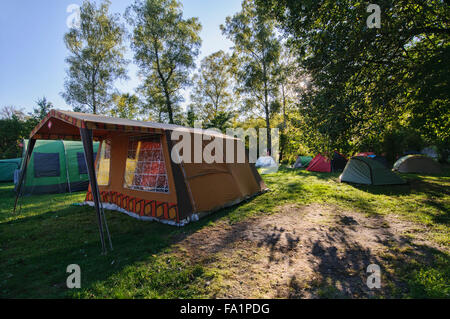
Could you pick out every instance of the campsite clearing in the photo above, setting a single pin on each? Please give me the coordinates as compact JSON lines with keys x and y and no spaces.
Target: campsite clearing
{"x":315,"y":240}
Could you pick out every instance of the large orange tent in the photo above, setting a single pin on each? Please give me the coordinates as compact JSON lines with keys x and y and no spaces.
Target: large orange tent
{"x":134,"y":172}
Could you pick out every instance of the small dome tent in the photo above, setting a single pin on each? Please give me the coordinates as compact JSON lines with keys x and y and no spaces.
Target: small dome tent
{"x":302,"y":161}
{"x":417,"y":164}
{"x":322,"y":164}
{"x":364,"y":170}
{"x":319,"y":164}
{"x":265,"y":161}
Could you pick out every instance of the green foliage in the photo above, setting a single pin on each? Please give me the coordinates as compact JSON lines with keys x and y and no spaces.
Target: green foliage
{"x":363,"y":80}
{"x":16,"y":126}
{"x":43,"y":107}
{"x":221,"y":121}
{"x":212,"y":97}
{"x":125,"y":106}
{"x":11,"y":132}
{"x":431,"y":283}
{"x":257,"y":49}
{"x":96,"y":58}
{"x":165,"y":46}
{"x":191,"y":117}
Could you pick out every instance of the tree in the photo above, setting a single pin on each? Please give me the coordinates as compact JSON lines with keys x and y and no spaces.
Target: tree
{"x":11,"y":132}
{"x":191,"y":117}
{"x":290,"y":81}
{"x":212,"y":95}
{"x":10,"y":111}
{"x":96,"y":58}
{"x":366,"y":81}
{"x":14,"y":127}
{"x":165,"y":46}
{"x":43,"y":107}
{"x":125,"y":106}
{"x":258,"y":51}
{"x":221,"y":121}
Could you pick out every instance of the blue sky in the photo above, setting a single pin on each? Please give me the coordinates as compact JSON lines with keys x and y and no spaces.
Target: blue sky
{"x":32,"y":49}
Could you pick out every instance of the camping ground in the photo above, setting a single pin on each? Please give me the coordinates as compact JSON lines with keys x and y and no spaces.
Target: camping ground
{"x":309,"y":237}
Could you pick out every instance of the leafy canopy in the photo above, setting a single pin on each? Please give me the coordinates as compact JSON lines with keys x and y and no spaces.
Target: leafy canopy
{"x":96,"y":58}
{"x":165,"y":46}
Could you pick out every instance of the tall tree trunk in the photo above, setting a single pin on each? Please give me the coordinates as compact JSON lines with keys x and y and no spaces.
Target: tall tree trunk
{"x":169,"y":107}
{"x":267,"y":110}
{"x":94,"y":103}
{"x":269,"y":135}
{"x":283,"y":132}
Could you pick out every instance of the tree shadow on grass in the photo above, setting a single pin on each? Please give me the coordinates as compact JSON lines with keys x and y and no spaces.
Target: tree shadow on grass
{"x":340,"y":264}
{"x":35,"y":250}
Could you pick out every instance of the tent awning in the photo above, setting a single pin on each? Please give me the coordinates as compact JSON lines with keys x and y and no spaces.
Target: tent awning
{"x":66,"y":125}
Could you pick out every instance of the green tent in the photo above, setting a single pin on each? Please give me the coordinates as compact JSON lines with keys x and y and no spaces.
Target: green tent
{"x":56,"y":167}
{"x":364,"y":170}
{"x":7,"y":168}
{"x":302,"y":161}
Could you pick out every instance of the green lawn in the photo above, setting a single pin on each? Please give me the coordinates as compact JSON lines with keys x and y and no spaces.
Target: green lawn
{"x":49,"y":233}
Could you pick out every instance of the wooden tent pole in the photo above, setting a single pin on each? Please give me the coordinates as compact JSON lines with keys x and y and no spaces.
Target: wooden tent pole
{"x":23,"y":171}
{"x":86,"y":137}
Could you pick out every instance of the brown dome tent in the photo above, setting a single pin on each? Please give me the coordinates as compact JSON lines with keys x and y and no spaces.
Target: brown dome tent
{"x":135,"y":172}
{"x":417,"y":164}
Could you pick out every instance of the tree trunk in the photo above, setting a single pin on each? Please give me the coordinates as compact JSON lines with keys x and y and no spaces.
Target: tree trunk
{"x":269,"y":135}
{"x":283,"y":139}
{"x":169,"y":107}
{"x":267,"y":110}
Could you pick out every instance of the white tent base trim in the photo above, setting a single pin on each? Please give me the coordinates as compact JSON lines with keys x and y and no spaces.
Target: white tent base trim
{"x":193,"y":217}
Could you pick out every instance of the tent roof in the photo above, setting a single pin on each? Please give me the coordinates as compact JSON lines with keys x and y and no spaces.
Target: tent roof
{"x":65,"y":125}
{"x":376,"y":174}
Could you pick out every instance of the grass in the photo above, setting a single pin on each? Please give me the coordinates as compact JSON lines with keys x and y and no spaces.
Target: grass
{"x":49,"y":233}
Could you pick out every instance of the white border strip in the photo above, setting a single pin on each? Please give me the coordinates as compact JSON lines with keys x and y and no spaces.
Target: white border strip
{"x":110,"y":206}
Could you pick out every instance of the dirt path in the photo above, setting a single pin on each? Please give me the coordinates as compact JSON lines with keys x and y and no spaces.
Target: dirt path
{"x":303,"y":252}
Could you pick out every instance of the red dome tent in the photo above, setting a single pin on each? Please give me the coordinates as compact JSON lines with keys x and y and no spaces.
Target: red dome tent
{"x":319,"y":164}
{"x":322,"y":164}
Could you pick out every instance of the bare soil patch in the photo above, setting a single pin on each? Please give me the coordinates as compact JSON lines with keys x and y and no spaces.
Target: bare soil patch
{"x":304,"y":252}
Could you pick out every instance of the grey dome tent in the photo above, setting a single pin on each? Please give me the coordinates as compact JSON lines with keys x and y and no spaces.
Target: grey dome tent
{"x":364,"y":170}
{"x":417,"y":164}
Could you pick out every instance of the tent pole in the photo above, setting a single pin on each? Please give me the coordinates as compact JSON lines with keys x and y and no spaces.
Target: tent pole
{"x":103,"y":211}
{"x":86,"y":137}
{"x":23,"y":171}
{"x":67,"y":165}
{"x":106,"y":225}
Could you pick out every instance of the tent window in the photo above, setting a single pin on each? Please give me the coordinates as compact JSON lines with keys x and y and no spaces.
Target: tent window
{"x":46,"y":165}
{"x":103,"y":163}
{"x":145,"y":168}
{"x":82,"y":168}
